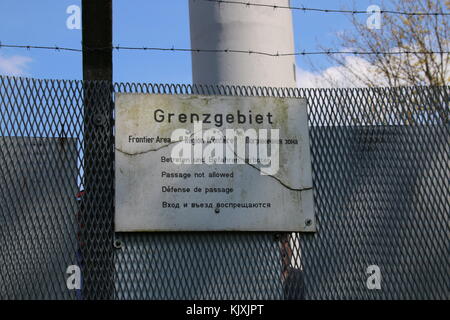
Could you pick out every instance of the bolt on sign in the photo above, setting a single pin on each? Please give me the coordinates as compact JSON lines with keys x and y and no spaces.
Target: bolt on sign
{"x":212,"y":163}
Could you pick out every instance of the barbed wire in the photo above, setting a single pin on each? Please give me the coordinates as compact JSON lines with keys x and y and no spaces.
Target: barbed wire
{"x":29,"y":47}
{"x":302,"y":8}
{"x":250,"y":52}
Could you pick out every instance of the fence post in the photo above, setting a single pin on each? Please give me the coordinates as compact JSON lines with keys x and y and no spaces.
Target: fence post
{"x":98,"y":208}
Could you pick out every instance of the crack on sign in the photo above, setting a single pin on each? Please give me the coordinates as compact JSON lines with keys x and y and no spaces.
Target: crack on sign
{"x":249,"y":164}
{"x":279,"y":180}
{"x":147,"y":151}
{"x":269,"y":175}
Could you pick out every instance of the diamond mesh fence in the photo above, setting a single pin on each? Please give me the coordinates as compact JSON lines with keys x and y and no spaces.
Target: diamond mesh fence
{"x":380,"y":159}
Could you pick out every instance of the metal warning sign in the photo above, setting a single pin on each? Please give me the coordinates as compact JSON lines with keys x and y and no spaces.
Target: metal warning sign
{"x":209,"y":163}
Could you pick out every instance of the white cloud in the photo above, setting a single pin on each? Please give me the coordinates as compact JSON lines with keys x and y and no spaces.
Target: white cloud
{"x":339,"y":76}
{"x":336,"y":111}
{"x":14,"y":65}
{"x":344,"y":76}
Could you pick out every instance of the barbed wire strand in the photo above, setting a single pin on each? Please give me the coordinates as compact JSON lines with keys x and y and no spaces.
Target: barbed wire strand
{"x":305,"y":9}
{"x":173,"y":49}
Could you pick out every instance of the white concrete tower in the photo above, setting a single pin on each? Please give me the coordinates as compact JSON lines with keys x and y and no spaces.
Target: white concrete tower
{"x":240,"y":27}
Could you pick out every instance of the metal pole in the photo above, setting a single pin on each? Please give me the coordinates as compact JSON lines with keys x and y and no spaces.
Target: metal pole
{"x":97,"y":213}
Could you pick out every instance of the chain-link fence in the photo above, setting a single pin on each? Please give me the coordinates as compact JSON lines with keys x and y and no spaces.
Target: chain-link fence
{"x":381,"y":177}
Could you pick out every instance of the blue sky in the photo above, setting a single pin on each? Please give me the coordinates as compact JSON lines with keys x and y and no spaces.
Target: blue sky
{"x":162,"y":23}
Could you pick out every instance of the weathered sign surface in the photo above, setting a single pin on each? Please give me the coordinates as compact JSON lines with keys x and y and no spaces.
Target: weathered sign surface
{"x":209,"y":163}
